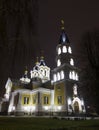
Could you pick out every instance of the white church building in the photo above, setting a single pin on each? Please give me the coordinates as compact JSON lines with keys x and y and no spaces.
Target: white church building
{"x":45,"y":91}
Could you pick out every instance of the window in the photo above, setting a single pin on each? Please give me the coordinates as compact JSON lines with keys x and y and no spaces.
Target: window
{"x":71,"y":61}
{"x":64,"y":49}
{"x":26,"y":100}
{"x":62,"y":75}
{"x":70,"y":75}
{"x":59,"y":99}
{"x":73,"y":74}
{"x":58,"y":76}
{"x":42,"y":71}
{"x":59,"y":51}
{"x":45,"y":72}
{"x":58,"y":62}
{"x":76,"y":76}
{"x":69,"y":50}
{"x":55,"y":78}
{"x":46,"y":100}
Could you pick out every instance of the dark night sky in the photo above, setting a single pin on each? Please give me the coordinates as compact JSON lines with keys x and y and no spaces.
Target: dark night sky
{"x":79,"y":16}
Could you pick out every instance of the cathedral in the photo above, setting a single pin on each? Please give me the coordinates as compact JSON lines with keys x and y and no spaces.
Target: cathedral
{"x":43,"y":91}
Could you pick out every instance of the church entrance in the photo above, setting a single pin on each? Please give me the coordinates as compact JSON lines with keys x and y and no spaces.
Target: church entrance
{"x":76,"y":107}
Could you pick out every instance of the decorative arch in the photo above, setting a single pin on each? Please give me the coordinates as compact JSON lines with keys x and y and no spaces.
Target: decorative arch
{"x":77,"y":105}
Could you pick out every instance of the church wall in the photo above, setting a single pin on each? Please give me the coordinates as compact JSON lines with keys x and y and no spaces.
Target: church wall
{"x":39,"y":95}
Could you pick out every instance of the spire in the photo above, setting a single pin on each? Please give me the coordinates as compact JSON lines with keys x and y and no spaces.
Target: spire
{"x":25,"y":72}
{"x":37,"y":61}
{"x":62,"y":24}
{"x":42,"y":62}
{"x":63,"y":36}
{"x":36,"y":64}
{"x":25,"y":78}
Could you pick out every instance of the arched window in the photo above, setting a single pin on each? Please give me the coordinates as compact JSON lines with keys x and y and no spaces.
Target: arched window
{"x":58,"y":76}
{"x":45,"y":72}
{"x":55,"y":78}
{"x":42,"y":71}
{"x":62,"y":74}
{"x":70,"y":75}
{"x":59,"y":50}
{"x":76,"y":76}
{"x":64,"y":49}
{"x":58,"y":62}
{"x":71,"y":61}
{"x":69,"y":50}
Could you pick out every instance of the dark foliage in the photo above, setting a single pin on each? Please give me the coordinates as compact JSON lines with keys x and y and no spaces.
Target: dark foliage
{"x":18,"y":36}
{"x":90,"y":73}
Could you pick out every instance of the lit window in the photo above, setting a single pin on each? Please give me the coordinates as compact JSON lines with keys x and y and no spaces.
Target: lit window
{"x":58,"y":62}
{"x":59,"y":99}
{"x":73,"y":74}
{"x":64,"y":49}
{"x":76,"y":76}
{"x":55,"y":78}
{"x":70,"y":75}
{"x":69,"y":50}
{"x":59,"y":51}
{"x":58,"y":76}
{"x":71,"y":61}
{"x":62,"y":75}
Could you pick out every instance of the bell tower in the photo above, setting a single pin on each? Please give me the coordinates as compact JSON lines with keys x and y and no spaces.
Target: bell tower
{"x":65,"y":78}
{"x":63,"y":49}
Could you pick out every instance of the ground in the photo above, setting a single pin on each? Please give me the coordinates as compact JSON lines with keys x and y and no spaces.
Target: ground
{"x":39,"y":123}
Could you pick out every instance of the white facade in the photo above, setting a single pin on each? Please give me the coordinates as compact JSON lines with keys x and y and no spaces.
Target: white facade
{"x":44,"y":93}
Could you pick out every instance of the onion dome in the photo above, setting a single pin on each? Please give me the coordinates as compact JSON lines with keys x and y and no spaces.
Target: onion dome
{"x":42,"y":62}
{"x":36,"y":67}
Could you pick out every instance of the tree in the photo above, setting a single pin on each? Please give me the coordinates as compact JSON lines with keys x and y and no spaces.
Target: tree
{"x":90,"y":73}
{"x":18,"y":37}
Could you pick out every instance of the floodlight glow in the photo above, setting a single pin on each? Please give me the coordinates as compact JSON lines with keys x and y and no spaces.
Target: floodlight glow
{"x":64,"y":38}
{"x":46,"y":107}
{"x":69,"y":101}
{"x":59,"y":107}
